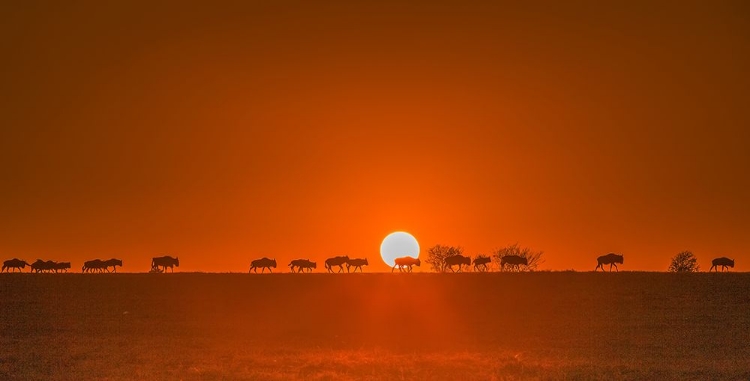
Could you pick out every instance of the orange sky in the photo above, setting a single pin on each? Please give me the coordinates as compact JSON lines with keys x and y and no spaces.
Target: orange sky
{"x":230,"y":132}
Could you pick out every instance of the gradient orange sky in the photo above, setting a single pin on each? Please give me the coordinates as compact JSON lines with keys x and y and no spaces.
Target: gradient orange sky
{"x":223,"y":133}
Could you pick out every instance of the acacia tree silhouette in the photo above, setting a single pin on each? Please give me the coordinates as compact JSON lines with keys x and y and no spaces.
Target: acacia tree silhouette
{"x":436,"y":256}
{"x":534,"y":258}
{"x":684,"y":262}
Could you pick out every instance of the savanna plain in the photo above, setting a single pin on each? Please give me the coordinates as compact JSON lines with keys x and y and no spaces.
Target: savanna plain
{"x":492,"y":326}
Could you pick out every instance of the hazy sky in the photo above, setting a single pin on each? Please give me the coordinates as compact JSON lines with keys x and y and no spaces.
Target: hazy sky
{"x":232,"y":131}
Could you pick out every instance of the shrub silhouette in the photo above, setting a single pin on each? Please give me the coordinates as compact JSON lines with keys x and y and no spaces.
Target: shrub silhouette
{"x":436,"y":256}
{"x":534,"y":258}
{"x":684,"y":262}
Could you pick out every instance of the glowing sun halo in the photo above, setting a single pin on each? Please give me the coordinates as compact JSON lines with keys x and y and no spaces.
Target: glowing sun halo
{"x":398,"y":244}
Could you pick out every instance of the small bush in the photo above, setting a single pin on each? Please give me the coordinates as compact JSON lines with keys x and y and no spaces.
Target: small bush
{"x":684,"y":262}
{"x":534,"y":258}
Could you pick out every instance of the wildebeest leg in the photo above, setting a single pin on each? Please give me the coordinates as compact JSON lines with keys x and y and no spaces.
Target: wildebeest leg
{"x":616,"y":268}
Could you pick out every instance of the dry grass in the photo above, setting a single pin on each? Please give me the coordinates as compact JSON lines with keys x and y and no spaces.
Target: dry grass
{"x":538,"y":326}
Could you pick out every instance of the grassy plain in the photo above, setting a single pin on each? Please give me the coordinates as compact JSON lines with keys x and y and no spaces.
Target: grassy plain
{"x":497,"y":326}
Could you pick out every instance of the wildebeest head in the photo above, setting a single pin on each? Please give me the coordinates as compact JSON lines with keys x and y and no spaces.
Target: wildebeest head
{"x":273,"y":263}
{"x":177,"y":261}
{"x":314,"y":265}
{"x":418,"y":262}
{"x":366,"y":263}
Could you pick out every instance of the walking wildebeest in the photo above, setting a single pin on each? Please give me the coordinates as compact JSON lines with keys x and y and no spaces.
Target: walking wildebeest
{"x":62,"y":266}
{"x":336,"y":261}
{"x":12,"y":264}
{"x":480,"y":263}
{"x":165,"y":261}
{"x":40,"y":266}
{"x":610,"y":259}
{"x":302,"y":265}
{"x":263,"y":263}
{"x":407,"y":262}
{"x":513,"y":261}
{"x":454,"y":260}
{"x":724,"y":262}
{"x":114,"y":262}
{"x":93,"y":265}
{"x":356,"y":263}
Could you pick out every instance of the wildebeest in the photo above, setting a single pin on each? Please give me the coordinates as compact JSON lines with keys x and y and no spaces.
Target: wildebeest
{"x":62,"y":266}
{"x":513,"y":261}
{"x":480,"y":263}
{"x":263,"y":263}
{"x":12,"y":264}
{"x":407,"y":262}
{"x":114,"y":262}
{"x":456,"y":260}
{"x":724,"y":262}
{"x":40,"y":266}
{"x":93,"y":265}
{"x":610,"y":259}
{"x":356,"y":263}
{"x":302,"y":265}
{"x":165,"y":261}
{"x":336,"y":261}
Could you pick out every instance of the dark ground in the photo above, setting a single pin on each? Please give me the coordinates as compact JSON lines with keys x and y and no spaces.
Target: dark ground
{"x":544,"y":325}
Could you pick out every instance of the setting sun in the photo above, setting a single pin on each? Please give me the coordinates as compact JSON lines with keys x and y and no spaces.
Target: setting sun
{"x":398,"y":244}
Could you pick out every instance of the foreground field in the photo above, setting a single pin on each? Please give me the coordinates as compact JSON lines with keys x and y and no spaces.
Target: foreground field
{"x":375,"y":326}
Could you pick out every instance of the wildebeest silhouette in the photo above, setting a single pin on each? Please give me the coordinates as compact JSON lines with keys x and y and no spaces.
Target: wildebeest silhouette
{"x":357,"y":263}
{"x":480,"y":263}
{"x":94,"y":265}
{"x":513,"y":262}
{"x":336,"y":261}
{"x":114,"y":262}
{"x":407,"y":262}
{"x":610,"y":259}
{"x":12,"y":264}
{"x":302,"y":265}
{"x":724,"y":262}
{"x":263,"y":263}
{"x":40,"y":266}
{"x":456,"y":260}
{"x":62,"y":266}
{"x":164,"y":262}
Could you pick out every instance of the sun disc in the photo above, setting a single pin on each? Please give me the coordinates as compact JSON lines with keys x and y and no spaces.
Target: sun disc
{"x":398,"y":244}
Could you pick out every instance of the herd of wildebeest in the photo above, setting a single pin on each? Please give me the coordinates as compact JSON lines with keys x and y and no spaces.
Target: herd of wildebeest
{"x":455,"y":263}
